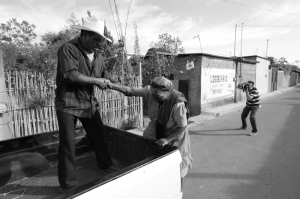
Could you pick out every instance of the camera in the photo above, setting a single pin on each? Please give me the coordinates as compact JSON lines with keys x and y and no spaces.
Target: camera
{"x":243,"y":86}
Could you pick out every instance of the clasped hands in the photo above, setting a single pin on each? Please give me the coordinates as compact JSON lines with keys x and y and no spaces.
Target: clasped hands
{"x":103,"y":83}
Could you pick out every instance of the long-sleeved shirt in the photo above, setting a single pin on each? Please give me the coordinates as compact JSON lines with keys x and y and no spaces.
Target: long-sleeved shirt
{"x":254,"y":101}
{"x":72,"y":97}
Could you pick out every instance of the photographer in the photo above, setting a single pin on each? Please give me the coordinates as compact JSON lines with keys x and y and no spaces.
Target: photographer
{"x":252,"y":105}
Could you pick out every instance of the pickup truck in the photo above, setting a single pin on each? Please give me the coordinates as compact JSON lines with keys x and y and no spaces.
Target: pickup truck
{"x":28,"y":168}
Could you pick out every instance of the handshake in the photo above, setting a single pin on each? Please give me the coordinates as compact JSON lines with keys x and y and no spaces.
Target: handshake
{"x":103,"y":83}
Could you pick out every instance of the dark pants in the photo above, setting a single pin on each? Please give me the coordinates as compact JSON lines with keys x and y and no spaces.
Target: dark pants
{"x":66,"y":150}
{"x":245,"y":114}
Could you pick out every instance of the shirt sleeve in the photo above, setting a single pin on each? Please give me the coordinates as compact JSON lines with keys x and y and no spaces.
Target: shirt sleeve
{"x":179,"y":114}
{"x":68,"y":61}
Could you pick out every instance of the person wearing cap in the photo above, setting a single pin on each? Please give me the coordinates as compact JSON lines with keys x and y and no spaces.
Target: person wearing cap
{"x":252,"y":106}
{"x":80,"y":67}
{"x":168,"y":112}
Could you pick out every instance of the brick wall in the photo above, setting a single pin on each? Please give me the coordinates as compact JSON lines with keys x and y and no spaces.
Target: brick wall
{"x":246,"y":72}
{"x":194,"y":77}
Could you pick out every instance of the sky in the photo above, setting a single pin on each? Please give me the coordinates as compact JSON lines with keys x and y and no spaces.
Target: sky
{"x":270,"y":27}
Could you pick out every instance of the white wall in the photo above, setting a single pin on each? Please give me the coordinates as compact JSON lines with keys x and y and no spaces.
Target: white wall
{"x":262,"y":75}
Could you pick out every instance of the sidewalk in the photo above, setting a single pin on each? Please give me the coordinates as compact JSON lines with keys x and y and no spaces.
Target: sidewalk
{"x":214,"y":112}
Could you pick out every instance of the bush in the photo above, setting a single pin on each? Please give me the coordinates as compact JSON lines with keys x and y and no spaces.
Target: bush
{"x":131,"y":123}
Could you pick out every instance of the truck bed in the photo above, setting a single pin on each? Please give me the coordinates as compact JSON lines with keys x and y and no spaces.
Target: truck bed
{"x":28,"y":165}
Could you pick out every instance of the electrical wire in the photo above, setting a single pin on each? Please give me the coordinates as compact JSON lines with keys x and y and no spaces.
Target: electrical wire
{"x":127,"y":17}
{"x":260,"y":8}
{"x":266,"y":26}
{"x":119,"y":21}
{"x":284,"y":27}
{"x":114,"y":20}
{"x":286,"y":38}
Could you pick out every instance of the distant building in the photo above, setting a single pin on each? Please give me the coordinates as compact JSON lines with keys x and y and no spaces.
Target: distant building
{"x":209,"y":80}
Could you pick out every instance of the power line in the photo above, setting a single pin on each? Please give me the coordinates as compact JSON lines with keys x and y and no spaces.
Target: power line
{"x":127,"y":17}
{"x":114,"y":20}
{"x":266,"y":26}
{"x":254,"y":7}
{"x":285,"y":26}
{"x":286,"y":38}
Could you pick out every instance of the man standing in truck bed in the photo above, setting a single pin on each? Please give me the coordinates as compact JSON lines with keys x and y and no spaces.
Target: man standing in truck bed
{"x":79,"y":68}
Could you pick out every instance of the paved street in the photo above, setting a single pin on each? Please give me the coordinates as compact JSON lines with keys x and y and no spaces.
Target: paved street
{"x":229,"y":164}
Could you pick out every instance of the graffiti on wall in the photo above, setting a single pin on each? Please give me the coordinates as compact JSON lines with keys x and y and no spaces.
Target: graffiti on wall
{"x":217,"y":80}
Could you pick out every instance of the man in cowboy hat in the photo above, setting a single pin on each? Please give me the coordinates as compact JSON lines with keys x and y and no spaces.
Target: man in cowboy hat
{"x":80,"y":67}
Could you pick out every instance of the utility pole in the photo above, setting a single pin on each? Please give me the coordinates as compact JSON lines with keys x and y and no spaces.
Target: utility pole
{"x":242,"y":38}
{"x":234,"y":39}
{"x":199,"y":41}
{"x":267,"y":47}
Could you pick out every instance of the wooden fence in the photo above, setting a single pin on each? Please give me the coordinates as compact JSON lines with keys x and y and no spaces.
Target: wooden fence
{"x":26,"y":88}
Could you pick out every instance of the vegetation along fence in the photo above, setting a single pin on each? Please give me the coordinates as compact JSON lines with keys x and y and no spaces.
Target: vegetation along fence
{"x":31,"y":105}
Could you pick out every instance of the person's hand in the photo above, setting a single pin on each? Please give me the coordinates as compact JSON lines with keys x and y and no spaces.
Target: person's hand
{"x":162,"y":142}
{"x":109,"y":85}
{"x":101,"y":83}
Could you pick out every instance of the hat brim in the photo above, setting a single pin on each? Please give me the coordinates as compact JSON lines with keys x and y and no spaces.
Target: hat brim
{"x":79,"y":27}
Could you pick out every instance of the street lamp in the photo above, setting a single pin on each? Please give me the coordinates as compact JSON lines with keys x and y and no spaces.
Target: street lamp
{"x":199,"y":41}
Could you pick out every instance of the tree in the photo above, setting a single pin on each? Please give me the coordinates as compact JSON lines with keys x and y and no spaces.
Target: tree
{"x":159,"y":59}
{"x":16,"y":43}
{"x":17,"y":33}
{"x":168,"y":43}
{"x":282,"y":64}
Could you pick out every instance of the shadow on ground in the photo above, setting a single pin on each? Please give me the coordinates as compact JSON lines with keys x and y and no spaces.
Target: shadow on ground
{"x":279,"y":175}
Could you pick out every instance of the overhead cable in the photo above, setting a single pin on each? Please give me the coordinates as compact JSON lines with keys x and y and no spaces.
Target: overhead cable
{"x":266,"y":26}
{"x":260,"y":8}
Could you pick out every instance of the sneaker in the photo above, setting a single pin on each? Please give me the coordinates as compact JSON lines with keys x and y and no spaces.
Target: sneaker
{"x":253,"y":133}
{"x":241,"y":128}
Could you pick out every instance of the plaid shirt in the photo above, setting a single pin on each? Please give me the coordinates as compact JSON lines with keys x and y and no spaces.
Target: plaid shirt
{"x":71,"y":97}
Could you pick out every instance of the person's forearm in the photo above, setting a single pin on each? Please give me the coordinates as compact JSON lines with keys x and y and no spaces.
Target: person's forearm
{"x":78,"y":78}
{"x":247,"y":95}
{"x":121,"y":88}
{"x":175,"y":133}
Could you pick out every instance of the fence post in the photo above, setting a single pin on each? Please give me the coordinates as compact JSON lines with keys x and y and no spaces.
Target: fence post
{"x":4,"y":116}
{"x":141,"y":99}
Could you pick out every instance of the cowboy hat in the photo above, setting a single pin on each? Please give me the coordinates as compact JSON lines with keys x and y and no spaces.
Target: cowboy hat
{"x":94,"y":25}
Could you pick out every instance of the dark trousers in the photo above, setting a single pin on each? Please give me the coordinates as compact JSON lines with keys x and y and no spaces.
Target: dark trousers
{"x":66,"y":150}
{"x":245,"y":114}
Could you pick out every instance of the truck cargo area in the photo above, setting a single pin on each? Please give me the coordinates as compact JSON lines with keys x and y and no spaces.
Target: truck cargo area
{"x":28,"y":165}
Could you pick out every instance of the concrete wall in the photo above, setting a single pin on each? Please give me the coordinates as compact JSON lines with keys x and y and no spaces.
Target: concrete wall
{"x":280,"y":80}
{"x":262,"y":80}
{"x":293,"y":79}
{"x":246,"y":72}
{"x":194,"y":77}
{"x":175,"y":84}
{"x":269,"y":81}
{"x":262,"y":75}
{"x":283,"y":81}
{"x":217,"y":82}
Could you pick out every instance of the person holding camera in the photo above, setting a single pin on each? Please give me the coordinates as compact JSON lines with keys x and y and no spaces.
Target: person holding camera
{"x":252,"y":106}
